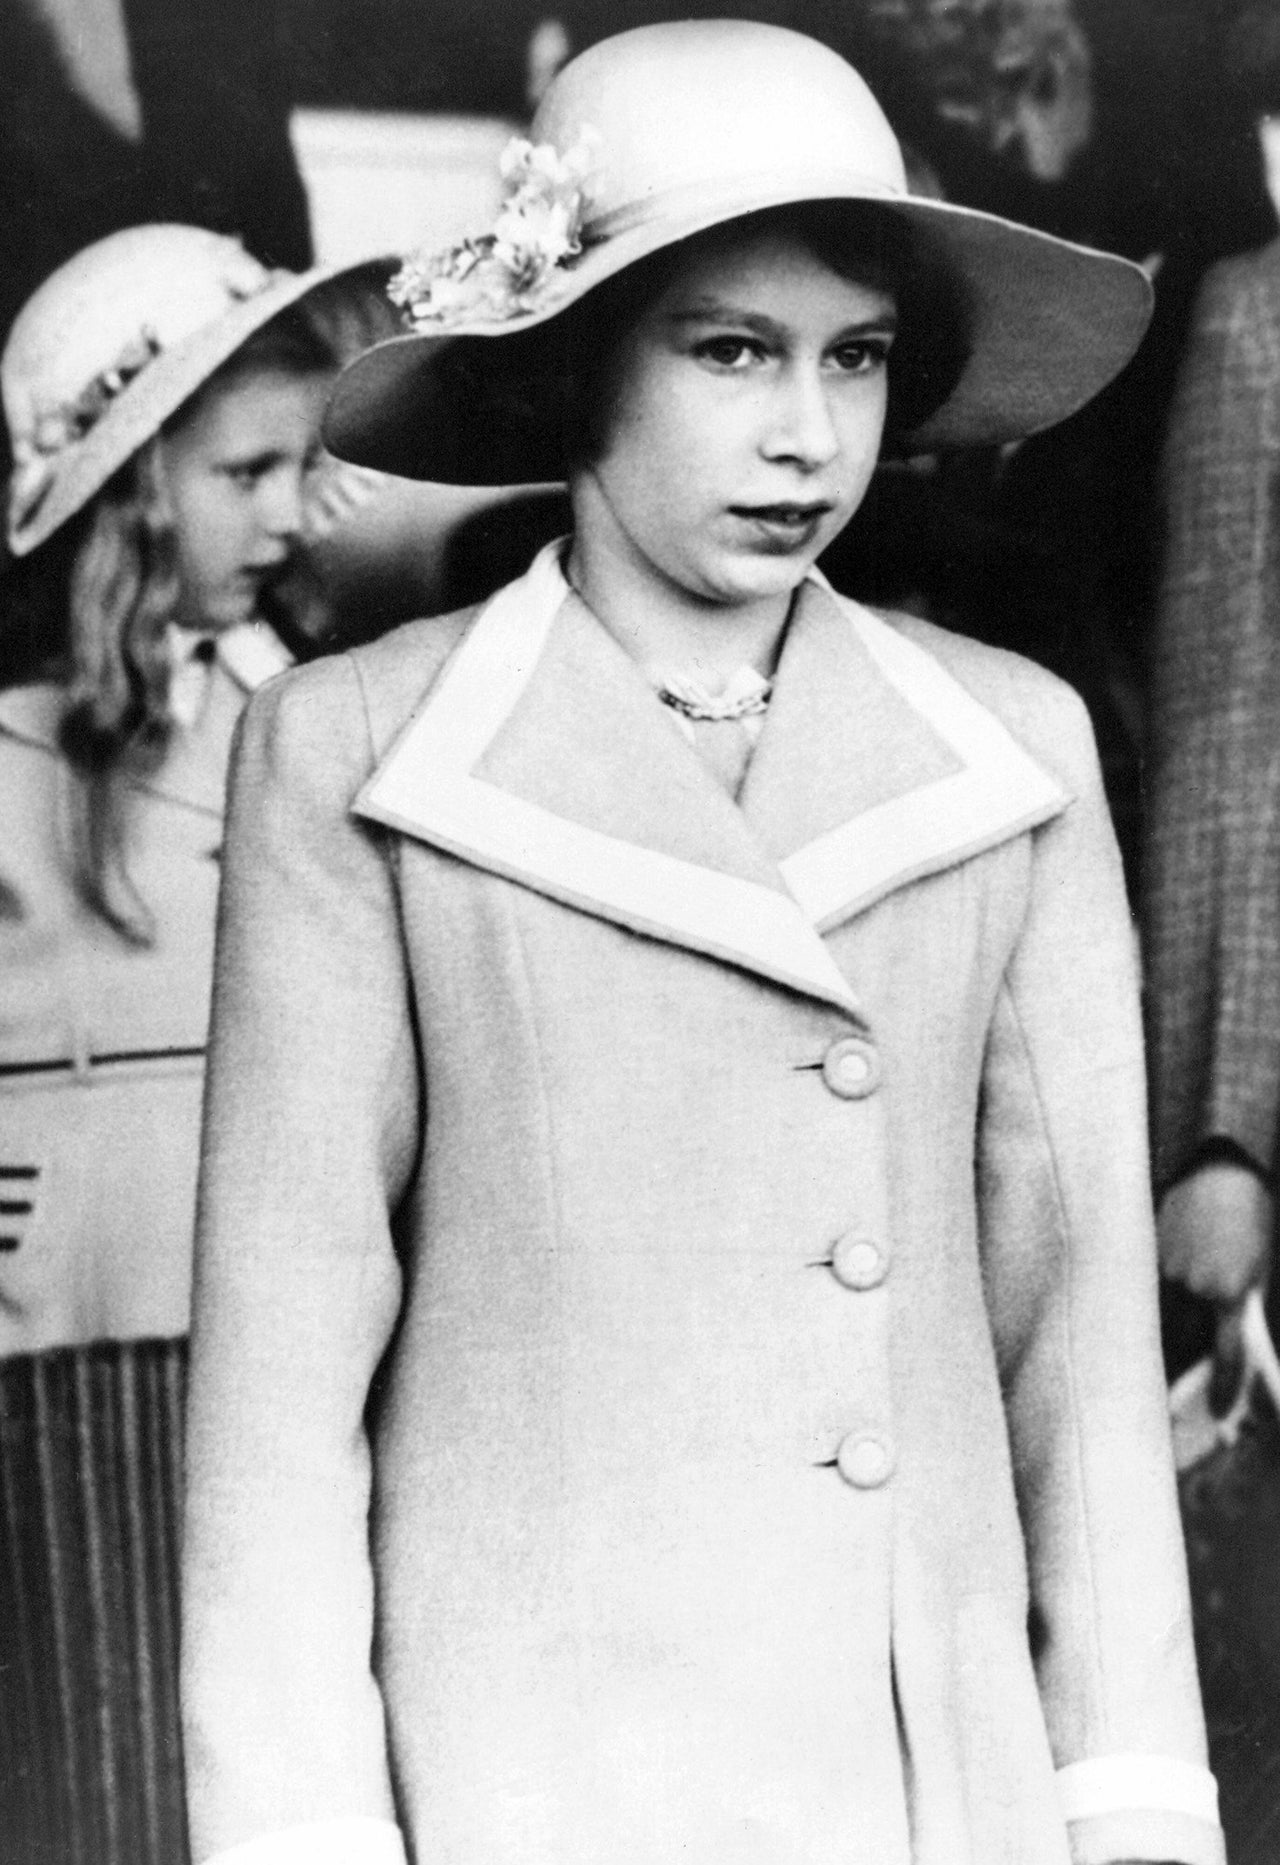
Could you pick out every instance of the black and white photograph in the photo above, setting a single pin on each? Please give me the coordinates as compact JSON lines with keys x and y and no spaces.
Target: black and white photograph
{"x":639,"y":932}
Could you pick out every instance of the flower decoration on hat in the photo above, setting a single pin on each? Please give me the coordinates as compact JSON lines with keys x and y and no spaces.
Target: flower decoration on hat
{"x":35,"y":454}
{"x":517,"y":267}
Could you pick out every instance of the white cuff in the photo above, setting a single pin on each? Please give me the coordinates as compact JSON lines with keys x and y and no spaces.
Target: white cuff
{"x":361,"y":1841}
{"x":1137,"y":1784}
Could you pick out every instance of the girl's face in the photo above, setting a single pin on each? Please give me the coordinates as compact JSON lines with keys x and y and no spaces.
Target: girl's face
{"x":234,"y":470}
{"x":745,"y":414}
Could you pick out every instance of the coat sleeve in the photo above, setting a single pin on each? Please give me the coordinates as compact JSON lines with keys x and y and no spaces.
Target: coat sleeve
{"x":311,"y":1130}
{"x":1069,"y":1257}
{"x":1212,"y":858}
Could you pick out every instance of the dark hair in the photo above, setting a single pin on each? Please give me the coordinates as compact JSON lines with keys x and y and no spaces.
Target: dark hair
{"x":352,"y":311}
{"x":304,"y":340}
{"x":559,"y":373}
{"x":90,"y":608}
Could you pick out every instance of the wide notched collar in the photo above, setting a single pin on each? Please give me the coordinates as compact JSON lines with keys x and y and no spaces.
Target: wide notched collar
{"x":542,"y":754}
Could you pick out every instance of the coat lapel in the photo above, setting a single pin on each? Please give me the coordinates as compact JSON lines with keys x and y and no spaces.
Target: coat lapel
{"x":542,"y":755}
{"x":877,"y":766}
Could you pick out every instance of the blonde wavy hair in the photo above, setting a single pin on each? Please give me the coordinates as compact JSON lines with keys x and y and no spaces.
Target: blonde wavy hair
{"x":123,"y":590}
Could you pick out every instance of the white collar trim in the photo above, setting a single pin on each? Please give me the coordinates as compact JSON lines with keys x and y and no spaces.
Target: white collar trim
{"x":999,"y":791}
{"x":424,"y":787}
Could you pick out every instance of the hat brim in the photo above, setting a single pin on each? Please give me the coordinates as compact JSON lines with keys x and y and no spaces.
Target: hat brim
{"x":1049,"y":324}
{"x":151,"y":399}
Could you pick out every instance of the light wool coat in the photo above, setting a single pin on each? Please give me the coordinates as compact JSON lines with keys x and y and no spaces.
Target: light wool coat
{"x":102,"y":1041}
{"x":675,"y":1366}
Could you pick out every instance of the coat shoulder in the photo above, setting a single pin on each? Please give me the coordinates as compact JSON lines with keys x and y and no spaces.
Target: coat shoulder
{"x":342,"y":710}
{"x":397,"y":671}
{"x":30,"y":716}
{"x":1236,"y":310}
{"x":1227,"y":280}
{"x":1046,"y":715}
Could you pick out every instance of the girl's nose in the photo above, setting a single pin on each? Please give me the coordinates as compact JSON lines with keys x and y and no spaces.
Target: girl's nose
{"x":802,"y":429}
{"x":280,"y":505}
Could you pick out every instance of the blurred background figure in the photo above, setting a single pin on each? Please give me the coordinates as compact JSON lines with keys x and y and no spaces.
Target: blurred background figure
{"x":1018,"y":74}
{"x":114,"y":112}
{"x":1211,"y":917}
{"x":1212,"y":871}
{"x":162,"y":392}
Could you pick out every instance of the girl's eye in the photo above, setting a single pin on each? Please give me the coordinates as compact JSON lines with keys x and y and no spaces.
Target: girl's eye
{"x":730,"y":352}
{"x":863,"y":357}
{"x":245,"y":474}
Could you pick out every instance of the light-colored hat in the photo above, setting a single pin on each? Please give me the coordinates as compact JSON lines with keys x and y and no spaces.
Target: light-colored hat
{"x":665,"y":131}
{"x":110,"y":346}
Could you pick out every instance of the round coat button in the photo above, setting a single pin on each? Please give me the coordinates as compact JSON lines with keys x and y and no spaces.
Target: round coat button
{"x":865,"y":1462}
{"x":858,"y":1262}
{"x":851,"y":1068}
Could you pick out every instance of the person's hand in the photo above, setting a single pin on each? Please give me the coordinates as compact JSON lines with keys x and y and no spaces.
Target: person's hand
{"x":1215,"y":1229}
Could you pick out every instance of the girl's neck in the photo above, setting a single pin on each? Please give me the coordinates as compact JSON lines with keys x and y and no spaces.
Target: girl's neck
{"x":1268,"y":127}
{"x":660,"y":625}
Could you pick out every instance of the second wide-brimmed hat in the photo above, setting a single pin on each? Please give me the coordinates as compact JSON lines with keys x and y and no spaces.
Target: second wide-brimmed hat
{"x":110,"y":346}
{"x":664,"y":132}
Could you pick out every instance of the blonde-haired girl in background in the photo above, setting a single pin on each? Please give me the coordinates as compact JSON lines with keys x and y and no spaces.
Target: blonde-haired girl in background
{"x":163,"y":394}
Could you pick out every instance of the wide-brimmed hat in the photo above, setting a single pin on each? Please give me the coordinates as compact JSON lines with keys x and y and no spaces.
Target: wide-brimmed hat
{"x":110,"y":346}
{"x":664,"y":132}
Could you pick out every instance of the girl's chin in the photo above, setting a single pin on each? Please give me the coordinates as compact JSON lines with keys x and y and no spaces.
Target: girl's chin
{"x":756,"y":578}
{"x":234,"y":607}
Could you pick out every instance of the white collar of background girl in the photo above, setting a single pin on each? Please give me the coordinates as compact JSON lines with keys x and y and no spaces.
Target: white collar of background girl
{"x":675,"y":857}
{"x":251,"y":653}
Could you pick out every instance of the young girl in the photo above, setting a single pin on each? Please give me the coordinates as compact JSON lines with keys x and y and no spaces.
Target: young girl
{"x":675,"y":1372}
{"x":163,"y":394}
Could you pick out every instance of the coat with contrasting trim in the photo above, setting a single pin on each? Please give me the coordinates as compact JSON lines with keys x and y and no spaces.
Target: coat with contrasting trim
{"x":714,"y":1453}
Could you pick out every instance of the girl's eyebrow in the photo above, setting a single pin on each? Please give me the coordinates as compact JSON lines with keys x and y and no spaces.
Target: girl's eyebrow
{"x":885,"y":324}
{"x":256,"y":456}
{"x":716,"y":311}
{"x":259,"y":463}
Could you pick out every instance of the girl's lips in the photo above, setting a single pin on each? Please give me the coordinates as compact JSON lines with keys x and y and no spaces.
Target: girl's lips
{"x":783,"y":527}
{"x":784,"y":513}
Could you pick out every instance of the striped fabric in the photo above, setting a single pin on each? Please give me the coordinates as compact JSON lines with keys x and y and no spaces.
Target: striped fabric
{"x":90,"y":1485}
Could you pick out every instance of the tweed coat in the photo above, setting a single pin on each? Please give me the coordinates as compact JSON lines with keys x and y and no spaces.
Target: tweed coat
{"x":1212,"y":858}
{"x":676,"y":1377}
{"x":101,"y":1041}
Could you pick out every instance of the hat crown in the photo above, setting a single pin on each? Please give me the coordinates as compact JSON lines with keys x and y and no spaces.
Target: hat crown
{"x":692,"y":102}
{"x":146,"y":288}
